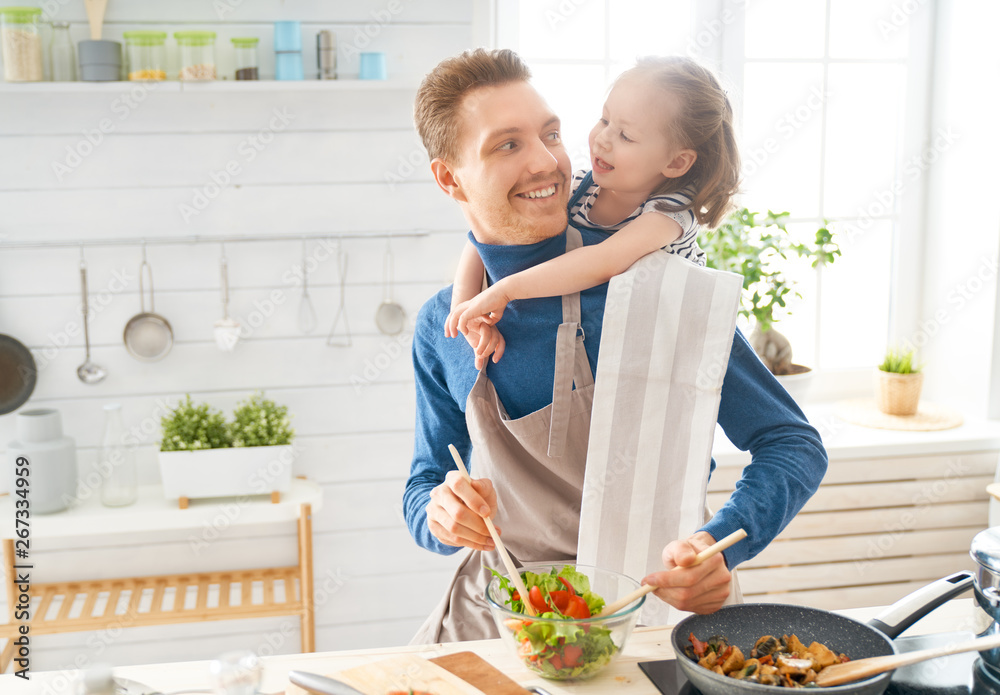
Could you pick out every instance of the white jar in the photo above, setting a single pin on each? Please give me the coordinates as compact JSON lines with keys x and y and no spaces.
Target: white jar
{"x":50,"y":459}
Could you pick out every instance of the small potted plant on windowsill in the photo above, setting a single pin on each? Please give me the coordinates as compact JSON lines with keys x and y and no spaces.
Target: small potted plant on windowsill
{"x":898,"y":381}
{"x":204,"y":455}
{"x":754,"y":245}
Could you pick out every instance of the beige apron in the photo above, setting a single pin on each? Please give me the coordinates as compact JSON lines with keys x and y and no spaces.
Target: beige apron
{"x":537,"y":465}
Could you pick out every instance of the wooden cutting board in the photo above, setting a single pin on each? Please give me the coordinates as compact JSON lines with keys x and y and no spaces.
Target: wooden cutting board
{"x":464,"y":673}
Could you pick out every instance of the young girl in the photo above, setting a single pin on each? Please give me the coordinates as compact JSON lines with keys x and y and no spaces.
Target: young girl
{"x":664,"y":161}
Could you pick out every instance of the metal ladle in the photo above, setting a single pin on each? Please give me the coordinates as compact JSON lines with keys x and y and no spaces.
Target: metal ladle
{"x":390,"y":316}
{"x":88,"y":372}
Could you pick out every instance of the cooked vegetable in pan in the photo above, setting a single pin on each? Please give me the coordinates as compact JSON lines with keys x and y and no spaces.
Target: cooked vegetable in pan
{"x":784,"y":662}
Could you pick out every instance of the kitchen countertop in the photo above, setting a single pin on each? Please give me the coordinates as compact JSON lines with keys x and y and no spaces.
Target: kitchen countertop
{"x":645,"y":644}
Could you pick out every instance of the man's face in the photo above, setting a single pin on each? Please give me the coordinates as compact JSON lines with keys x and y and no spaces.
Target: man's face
{"x":512,"y":174}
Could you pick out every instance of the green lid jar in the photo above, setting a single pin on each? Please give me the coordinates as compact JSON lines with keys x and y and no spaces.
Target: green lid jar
{"x":245,"y":57}
{"x":145,"y":55}
{"x":197,"y":52}
{"x":21,"y":44}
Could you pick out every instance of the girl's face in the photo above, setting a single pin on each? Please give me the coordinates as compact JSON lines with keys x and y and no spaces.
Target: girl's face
{"x":630,"y":151}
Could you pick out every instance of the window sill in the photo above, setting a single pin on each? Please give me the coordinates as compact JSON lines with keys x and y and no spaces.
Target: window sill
{"x":844,"y":440}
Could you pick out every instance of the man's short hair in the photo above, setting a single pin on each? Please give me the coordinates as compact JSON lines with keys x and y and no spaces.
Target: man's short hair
{"x":443,"y":89}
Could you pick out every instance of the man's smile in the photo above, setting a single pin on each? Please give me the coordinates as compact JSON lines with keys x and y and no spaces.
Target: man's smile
{"x":543,"y":192}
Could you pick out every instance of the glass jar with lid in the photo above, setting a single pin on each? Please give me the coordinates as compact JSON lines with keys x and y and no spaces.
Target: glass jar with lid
{"x":22,"y":44}
{"x":145,"y":55}
{"x":245,"y":57}
{"x":197,"y":52}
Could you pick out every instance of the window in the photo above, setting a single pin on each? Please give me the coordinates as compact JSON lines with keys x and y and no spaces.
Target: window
{"x":830,"y":97}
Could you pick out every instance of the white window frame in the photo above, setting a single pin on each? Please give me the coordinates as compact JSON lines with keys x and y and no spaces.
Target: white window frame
{"x":725,"y":19}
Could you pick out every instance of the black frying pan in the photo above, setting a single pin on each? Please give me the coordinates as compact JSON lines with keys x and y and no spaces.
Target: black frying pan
{"x":743,"y":625}
{"x":17,"y":374}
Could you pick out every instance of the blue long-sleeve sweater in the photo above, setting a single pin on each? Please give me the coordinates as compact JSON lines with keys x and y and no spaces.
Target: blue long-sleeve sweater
{"x":788,"y":458}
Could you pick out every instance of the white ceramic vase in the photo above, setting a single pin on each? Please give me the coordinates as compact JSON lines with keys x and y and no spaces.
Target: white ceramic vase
{"x":51,"y":460}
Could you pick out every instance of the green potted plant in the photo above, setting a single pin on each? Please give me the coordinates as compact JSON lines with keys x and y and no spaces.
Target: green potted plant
{"x":202,"y":454}
{"x":898,"y":381}
{"x":754,"y":245}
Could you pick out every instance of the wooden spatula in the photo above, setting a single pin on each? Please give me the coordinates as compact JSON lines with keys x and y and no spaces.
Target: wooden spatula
{"x":95,"y":13}
{"x":714,"y":549}
{"x":512,"y":572}
{"x":866,"y":668}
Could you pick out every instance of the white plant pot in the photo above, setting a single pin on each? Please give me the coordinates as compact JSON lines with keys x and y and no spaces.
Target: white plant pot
{"x":233,"y":472}
{"x":798,"y":383}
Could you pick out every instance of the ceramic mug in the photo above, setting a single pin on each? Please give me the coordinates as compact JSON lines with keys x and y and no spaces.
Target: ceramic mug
{"x":372,"y":66}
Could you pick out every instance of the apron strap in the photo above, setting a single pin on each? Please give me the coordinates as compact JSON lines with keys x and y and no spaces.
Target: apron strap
{"x":572,"y":364}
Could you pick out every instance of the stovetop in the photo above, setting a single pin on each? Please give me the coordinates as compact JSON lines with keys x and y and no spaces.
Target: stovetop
{"x":960,"y":674}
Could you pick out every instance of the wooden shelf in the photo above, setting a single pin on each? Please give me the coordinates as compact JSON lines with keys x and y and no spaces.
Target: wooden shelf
{"x":172,"y":86}
{"x":95,"y":604}
{"x":154,"y":512}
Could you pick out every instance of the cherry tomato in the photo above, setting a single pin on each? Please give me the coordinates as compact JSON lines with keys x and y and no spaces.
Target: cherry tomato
{"x":571,"y":656}
{"x":560,"y":599}
{"x":569,"y":587}
{"x":557,"y":662}
{"x":577,"y":608}
{"x":537,"y":600}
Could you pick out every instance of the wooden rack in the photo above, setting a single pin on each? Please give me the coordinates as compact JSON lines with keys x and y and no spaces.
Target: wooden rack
{"x":78,"y":605}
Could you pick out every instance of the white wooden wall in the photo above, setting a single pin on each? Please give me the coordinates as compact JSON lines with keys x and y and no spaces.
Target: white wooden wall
{"x":342,"y":165}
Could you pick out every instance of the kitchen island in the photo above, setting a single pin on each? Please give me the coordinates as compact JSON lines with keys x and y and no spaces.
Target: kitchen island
{"x":624,"y":676}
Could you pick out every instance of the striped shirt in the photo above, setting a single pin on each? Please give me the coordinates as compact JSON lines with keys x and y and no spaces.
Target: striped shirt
{"x":686,"y":245}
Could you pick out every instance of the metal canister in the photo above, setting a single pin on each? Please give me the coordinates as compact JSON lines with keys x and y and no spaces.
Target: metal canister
{"x":326,"y":55}
{"x":985,"y":550}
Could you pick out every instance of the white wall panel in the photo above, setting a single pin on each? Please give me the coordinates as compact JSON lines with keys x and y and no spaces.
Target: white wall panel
{"x":347,"y":162}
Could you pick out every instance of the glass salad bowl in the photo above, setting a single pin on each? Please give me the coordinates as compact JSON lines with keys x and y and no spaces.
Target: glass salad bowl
{"x":564,"y":642}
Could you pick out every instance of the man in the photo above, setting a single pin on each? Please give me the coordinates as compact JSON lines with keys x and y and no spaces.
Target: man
{"x":494,"y":144}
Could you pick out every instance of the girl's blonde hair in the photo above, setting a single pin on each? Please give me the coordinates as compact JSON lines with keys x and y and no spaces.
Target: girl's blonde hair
{"x":703,"y":122}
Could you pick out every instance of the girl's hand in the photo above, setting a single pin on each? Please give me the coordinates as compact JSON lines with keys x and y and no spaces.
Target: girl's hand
{"x":487,"y":306}
{"x":451,"y":323}
{"x":485,"y":340}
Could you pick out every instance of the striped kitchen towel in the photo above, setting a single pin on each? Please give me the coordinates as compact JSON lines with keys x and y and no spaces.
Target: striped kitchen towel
{"x":668,"y":330}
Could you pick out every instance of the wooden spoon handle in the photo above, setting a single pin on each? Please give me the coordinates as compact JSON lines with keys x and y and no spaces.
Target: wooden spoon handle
{"x":714,"y":549}
{"x":866,"y":668}
{"x":501,"y":550}
{"x":994,"y":489}
{"x":95,"y":13}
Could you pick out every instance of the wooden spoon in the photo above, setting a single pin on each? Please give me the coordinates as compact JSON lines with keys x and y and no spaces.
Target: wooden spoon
{"x":865,"y":668}
{"x":501,"y":550}
{"x":994,"y":489}
{"x":95,"y":13}
{"x":718,"y":547}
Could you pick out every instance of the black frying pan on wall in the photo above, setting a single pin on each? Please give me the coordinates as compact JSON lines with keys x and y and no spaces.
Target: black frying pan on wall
{"x":18,"y":374}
